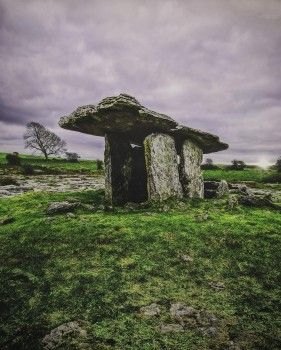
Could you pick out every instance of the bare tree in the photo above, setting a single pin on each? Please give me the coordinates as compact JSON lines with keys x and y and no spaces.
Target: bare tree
{"x":38,"y":138}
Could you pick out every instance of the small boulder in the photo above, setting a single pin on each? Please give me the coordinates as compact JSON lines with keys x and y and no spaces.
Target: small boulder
{"x":150,"y":310}
{"x":178,"y":310}
{"x":232,"y":202}
{"x":62,"y":333}
{"x":70,"y":215}
{"x":222,"y":189}
{"x":215,"y":189}
{"x":253,"y":200}
{"x":61,"y":207}
{"x":171,"y":328}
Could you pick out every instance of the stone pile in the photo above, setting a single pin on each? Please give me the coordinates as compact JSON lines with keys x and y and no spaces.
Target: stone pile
{"x":148,"y":155}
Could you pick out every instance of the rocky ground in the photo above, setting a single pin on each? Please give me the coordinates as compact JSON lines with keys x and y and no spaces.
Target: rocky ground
{"x":74,"y":183}
{"x":52,"y":183}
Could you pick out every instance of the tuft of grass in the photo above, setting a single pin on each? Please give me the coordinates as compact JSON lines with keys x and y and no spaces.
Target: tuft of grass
{"x":102,"y":267}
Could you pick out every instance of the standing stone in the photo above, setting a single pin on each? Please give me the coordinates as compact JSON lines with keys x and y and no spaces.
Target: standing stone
{"x":162,"y":167}
{"x":117,"y":161}
{"x":190,"y":170}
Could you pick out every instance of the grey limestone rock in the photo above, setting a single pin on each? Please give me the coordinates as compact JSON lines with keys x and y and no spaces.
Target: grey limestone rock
{"x":61,"y":207}
{"x":171,"y":328}
{"x":124,"y":114}
{"x":63,"y":333}
{"x":150,"y":310}
{"x":162,"y":169}
{"x":190,"y":170}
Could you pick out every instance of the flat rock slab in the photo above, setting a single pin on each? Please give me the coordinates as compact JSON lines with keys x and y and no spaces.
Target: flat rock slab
{"x":125,"y":115}
{"x":61,"y":207}
{"x":118,"y":114}
{"x":52,"y":183}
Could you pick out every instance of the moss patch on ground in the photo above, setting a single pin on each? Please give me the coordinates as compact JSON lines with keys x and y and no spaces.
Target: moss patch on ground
{"x":102,"y":267}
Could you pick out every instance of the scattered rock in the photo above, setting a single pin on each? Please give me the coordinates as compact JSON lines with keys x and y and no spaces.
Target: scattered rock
{"x":61,"y":207}
{"x":231,"y":345}
{"x":252,"y":200}
{"x":178,"y":310}
{"x":171,"y":328}
{"x":238,"y":188}
{"x":150,"y":310}
{"x":201,"y":217}
{"x":88,"y":207}
{"x":70,"y":215}
{"x":232,"y":202}
{"x":186,"y":258}
{"x":108,"y":208}
{"x":64,"y":332}
{"x":222,"y":189}
{"x":217,"y":285}
{"x":215,"y":189}
{"x":208,"y":331}
{"x":206,"y":319}
{"x":7,"y":220}
{"x":101,"y":207}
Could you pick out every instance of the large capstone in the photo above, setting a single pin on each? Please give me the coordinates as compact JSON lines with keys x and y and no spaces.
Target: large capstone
{"x":117,"y":160}
{"x":162,"y":167}
{"x":125,"y":115}
{"x":190,"y":170}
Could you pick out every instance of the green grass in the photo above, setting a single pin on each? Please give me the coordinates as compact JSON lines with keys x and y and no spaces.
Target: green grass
{"x":249,"y":174}
{"x":58,"y":165}
{"x":102,"y":267}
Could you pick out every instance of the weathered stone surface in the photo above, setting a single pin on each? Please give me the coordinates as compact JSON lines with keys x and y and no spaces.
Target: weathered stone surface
{"x":207,"y":142}
{"x":124,"y":114}
{"x":150,"y":310}
{"x":171,"y":328}
{"x":215,"y":189}
{"x":64,"y":335}
{"x":117,"y":162}
{"x":190,"y":170}
{"x":178,"y":310}
{"x":118,"y":114}
{"x":232,"y":202}
{"x":61,"y":207}
{"x":222,"y":189}
{"x":162,"y":168}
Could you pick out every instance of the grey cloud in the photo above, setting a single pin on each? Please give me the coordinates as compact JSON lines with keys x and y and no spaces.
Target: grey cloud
{"x":212,"y":64}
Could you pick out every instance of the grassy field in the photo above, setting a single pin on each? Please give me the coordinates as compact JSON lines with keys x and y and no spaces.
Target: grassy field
{"x":103,"y":267}
{"x":248,"y":174}
{"x":58,"y":165}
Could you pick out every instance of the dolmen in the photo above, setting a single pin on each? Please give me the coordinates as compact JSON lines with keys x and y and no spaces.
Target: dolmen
{"x":148,"y":155}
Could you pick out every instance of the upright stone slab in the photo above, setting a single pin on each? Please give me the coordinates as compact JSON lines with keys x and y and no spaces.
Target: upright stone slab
{"x":162,"y":167}
{"x":117,"y":160}
{"x":190,"y":170}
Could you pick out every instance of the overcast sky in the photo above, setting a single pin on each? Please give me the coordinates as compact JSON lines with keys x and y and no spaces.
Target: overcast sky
{"x":212,"y":65}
